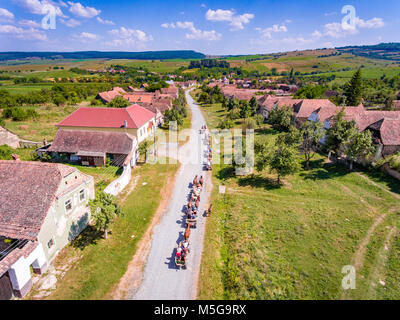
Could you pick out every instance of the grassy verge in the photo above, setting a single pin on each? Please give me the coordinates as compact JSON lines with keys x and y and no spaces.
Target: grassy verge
{"x":101,"y":263}
{"x":43,"y":127}
{"x":266,"y":241}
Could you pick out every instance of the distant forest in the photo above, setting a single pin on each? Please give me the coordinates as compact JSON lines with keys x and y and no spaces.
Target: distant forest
{"x":209,"y":63}
{"x":147,"y":55}
{"x":387,"y":51}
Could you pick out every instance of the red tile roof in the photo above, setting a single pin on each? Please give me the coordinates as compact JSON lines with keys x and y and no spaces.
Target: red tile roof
{"x":27,"y":190}
{"x":135,"y":117}
{"x":139,"y":97}
{"x":307,"y":106}
{"x":389,"y":131}
{"x":110,"y":95}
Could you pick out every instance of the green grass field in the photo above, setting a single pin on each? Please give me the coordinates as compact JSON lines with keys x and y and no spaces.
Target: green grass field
{"x":43,"y":127}
{"x":265,"y":241}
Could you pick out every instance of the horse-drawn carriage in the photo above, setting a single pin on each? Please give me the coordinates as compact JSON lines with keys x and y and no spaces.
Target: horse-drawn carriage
{"x":180,"y":261}
{"x":192,"y":222}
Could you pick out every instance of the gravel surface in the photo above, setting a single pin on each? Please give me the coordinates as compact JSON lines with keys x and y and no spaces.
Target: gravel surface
{"x":161,"y":278}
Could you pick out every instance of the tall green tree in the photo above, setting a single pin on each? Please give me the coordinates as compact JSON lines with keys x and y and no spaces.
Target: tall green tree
{"x":353,"y":89}
{"x":246,"y":110}
{"x":359,"y":146}
{"x":143,"y":148}
{"x":253,"y":104}
{"x":281,"y":117}
{"x":311,"y":132}
{"x":339,"y":134}
{"x":291,"y":138}
{"x":118,"y":102}
{"x":104,"y":210}
{"x":284,"y":161}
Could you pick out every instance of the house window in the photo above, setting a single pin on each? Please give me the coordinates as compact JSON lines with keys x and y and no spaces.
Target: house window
{"x":82,"y":195}
{"x":51,"y":243}
{"x":68,"y":205}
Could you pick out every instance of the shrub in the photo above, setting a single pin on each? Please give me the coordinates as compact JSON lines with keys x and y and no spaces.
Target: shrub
{"x":5,"y":152}
{"x":249,"y":124}
{"x":226,"y":124}
{"x":19,"y":114}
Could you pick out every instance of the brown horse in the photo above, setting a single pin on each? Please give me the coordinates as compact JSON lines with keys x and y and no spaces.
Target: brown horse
{"x":186,"y":235}
{"x":195,"y":180}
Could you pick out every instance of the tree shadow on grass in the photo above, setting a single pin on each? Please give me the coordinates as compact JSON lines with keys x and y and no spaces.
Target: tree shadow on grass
{"x":258,"y":181}
{"x":89,"y":236}
{"x":324,"y":172}
{"x":266,"y":131}
{"x":226,"y":173}
{"x":380,"y":177}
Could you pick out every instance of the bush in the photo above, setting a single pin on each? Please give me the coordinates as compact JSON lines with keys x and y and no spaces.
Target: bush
{"x":7,"y":113}
{"x":249,"y":124}
{"x":259,"y":119}
{"x":5,"y":152}
{"x":19,"y":114}
{"x":226,"y":124}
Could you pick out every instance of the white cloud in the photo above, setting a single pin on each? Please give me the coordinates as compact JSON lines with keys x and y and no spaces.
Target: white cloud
{"x":168,"y":25}
{"x":109,"y":22}
{"x":373,"y":23}
{"x":23,"y":34}
{"x":41,"y":7}
{"x":81,"y":11}
{"x":70,"y":22}
{"x":86,"y":37}
{"x":196,"y":34}
{"x":6,"y":15}
{"x":336,"y":29}
{"x":125,"y":36}
{"x":236,"y":21}
{"x":29,"y":23}
{"x":267,"y":33}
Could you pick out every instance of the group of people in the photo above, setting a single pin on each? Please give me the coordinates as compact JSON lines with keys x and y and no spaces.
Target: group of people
{"x":192,"y":211}
{"x":209,"y":158}
{"x":182,"y":250}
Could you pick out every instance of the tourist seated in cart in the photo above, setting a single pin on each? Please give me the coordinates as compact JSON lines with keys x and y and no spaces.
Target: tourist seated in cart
{"x":178,"y":252}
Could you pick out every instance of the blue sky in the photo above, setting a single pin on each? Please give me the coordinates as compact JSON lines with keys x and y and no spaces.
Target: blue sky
{"x":211,"y":27}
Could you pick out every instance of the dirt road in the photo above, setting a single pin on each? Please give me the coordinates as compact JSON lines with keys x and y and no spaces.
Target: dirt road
{"x":161,"y":279}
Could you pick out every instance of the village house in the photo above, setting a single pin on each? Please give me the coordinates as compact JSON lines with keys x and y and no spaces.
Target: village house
{"x":135,"y":120}
{"x":108,"y":96}
{"x":93,"y":148}
{"x":306,"y":107}
{"x":267,"y":103}
{"x":171,"y":91}
{"x":43,"y":206}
